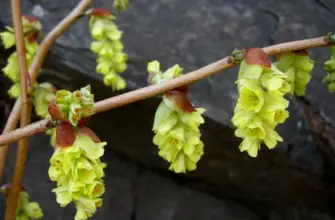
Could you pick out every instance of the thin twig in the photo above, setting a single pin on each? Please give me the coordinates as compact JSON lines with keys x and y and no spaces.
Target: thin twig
{"x":61,"y":27}
{"x":21,"y":154}
{"x":10,"y":125}
{"x":150,"y":91}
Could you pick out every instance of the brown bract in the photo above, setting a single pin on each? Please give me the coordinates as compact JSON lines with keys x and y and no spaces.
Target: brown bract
{"x":256,"y":56}
{"x":32,"y":37}
{"x":301,"y":52}
{"x":89,"y":133}
{"x":179,"y":99}
{"x":150,"y":77}
{"x":183,"y":89}
{"x":100,"y":12}
{"x":30,"y":18}
{"x":54,"y":111}
{"x":65,"y":135}
{"x":297,"y":53}
{"x":83,"y":121}
{"x":9,"y":186}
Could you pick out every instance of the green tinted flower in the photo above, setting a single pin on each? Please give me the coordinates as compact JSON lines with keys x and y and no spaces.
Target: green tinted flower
{"x":241,"y":119}
{"x":14,"y":90}
{"x":251,"y":145}
{"x":275,"y":80}
{"x":250,"y":71}
{"x":114,"y":80}
{"x":165,"y":119}
{"x":251,"y":95}
{"x":254,"y":130}
{"x":33,"y":210}
{"x":26,"y":209}
{"x":121,"y":5}
{"x":108,"y":46}
{"x":274,"y":109}
{"x":43,"y":94}
{"x":21,"y":216}
{"x":8,"y":39}
{"x":153,"y":67}
{"x":298,"y":67}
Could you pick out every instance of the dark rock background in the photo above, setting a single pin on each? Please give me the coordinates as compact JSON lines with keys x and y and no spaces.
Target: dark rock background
{"x":293,"y":181}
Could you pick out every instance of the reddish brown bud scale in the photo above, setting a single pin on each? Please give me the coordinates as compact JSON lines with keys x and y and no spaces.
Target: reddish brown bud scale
{"x":32,"y":37}
{"x":183,"y":89}
{"x":297,"y":53}
{"x":30,"y":18}
{"x":180,"y":100}
{"x":28,"y":80}
{"x":256,"y":56}
{"x":301,"y":52}
{"x":150,"y":77}
{"x":100,"y":12}
{"x":83,"y":121}
{"x":9,"y":186}
{"x":89,"y":133}
{"x":54,"y":89}
{"x":54,"y":111}
{"x":65,"y":135}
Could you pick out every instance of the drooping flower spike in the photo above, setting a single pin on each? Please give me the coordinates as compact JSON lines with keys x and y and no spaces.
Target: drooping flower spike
{"x":261,"y":105}
{"x":42,"y":95}
{"x":76,"y":163}
{"x":330,"y":68}
{"x":176,"y":124}
{"x":121,"y":5}
{"x":31,"y":28}
{"x":78,"y":171}
{"x":108,"y":46}
{"x":297,"y":66}
{"x":25,"y":209}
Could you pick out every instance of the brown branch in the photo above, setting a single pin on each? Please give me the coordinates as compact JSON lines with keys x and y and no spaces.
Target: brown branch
{"x":56,"y":32}
{"x":10,"y":125}
{"x":36,"y":65}
{"x":21,"y":154}
{"x":156,"y":89}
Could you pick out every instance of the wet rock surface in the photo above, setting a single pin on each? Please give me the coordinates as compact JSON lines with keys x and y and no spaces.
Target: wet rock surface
{"x":290,"y":182}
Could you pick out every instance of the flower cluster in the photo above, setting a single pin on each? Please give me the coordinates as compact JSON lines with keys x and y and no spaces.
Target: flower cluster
{"x":76,"y":164}
{"x":261,"y":105}
{"x":330,"y":68}
{"x":72,"y":107}
{"x":121,"y":5}
{"x":176,"y":124}
{"x":78,"y":171}
{"x":26,"y":209}
{"x":42,"y":95}
{"x":108,"y":46}
{"x":31,"y":28}
{"x":297,"y":66}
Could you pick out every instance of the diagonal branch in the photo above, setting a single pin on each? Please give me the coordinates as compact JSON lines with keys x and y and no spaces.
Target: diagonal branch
{"x":36,"y":65}
{"x":156,"y":89}
{"x":10,"y":125}
{"x":21,"y":154}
